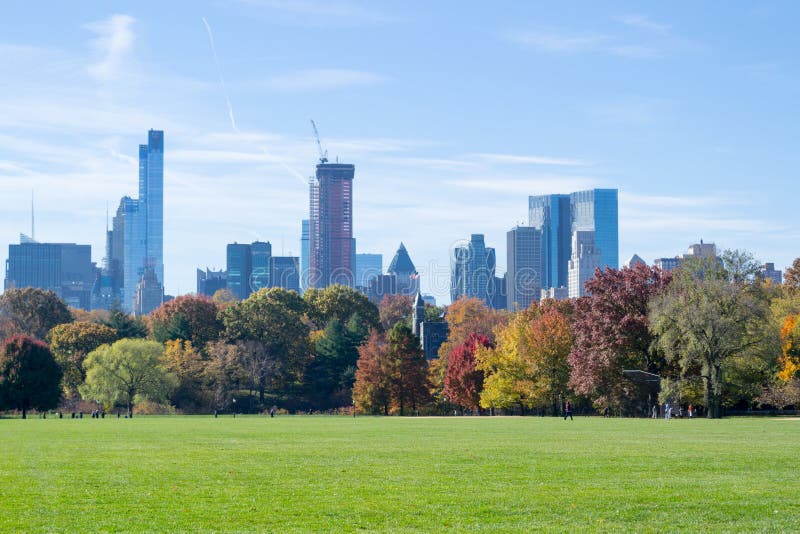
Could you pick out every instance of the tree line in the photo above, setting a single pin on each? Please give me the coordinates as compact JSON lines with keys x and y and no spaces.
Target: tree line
{"x":712,"y":333}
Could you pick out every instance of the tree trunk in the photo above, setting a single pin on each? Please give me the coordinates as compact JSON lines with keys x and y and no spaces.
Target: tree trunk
{"x":130,"y":410}
{"x":24,"y":413}
{"x":714,"y":392}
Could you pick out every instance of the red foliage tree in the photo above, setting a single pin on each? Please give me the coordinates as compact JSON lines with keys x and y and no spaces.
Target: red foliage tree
{"x":372,"y":388}
{"x":189,"y":317}
{"x":30,"y":378}
{"x":463,"y":382}
{"x":612,"y":333}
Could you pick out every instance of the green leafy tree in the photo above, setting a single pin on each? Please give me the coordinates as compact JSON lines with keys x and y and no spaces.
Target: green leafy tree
{"x":31,"y":311}
{"x":126,"y":325}
{"x":709,"y":319}
{"x":275,"y":319}
{"x":330,"y":375}
{"x":70,"y":343}
{"x":30,"y":378}
{"x":340,"y":302}
{"x":127,"y":371}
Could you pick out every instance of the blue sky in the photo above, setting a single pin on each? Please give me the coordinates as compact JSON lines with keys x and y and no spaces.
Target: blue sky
{"x":452,"y":112}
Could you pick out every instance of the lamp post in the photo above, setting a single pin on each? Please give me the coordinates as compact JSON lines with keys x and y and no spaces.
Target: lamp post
{"x":234,"y":407}
{"x":354,"y":408}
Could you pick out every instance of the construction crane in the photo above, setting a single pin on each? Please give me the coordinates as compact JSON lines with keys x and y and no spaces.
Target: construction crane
{"x":323,"y":154}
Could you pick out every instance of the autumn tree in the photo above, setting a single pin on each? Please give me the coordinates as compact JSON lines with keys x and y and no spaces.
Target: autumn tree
{"x":528,"y":367}
{"x":224,"y":297}
{"x":463,"y":382}
{"x":784,"y":389}
{"x":392,"y":373}
{"x":30,"y":378}
{"x":188,"y":317}
{"x":791,"y":277}
{"x":394,"y":309}
{"x":70,"y":343}
{"x":31,"y":311}
{"x":464,"y":316}
{"x":611,"y":329}
{"x":186,"y":362}
{"x":409,"y":385}
{"x":372,"y":389}
{"x":549,"y":342}
{"x":225,"y":372}
{"x":127,"y":371}
{"x":707,"y":320}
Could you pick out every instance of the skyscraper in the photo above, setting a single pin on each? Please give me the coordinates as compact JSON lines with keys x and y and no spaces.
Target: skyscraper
{"x":597,"y":211}
{"x":151,"y":196}
{"x":560,"y":216}
{"x":285,"y":272}
{"x":524,"y":267}
{"x":260,"y":265}
{"x":331,"y":225}
{"x":472,"y":269}
{"x":769,"y":272}
{"x":304,"y":254}
{"x":209,"y":282}
{"x":64,"y":268}
{"x":368,"y":266}
{"x":239,"y":267}
{"x":137,"y":240}
{"x":550,"y":214}
{"x":586,"y":258}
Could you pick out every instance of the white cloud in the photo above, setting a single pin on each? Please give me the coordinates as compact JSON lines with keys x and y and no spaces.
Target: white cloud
{"x":643,"y":22}
{"x":113,"y":43}
{"x":665,"y":201}
{"x":322,"y":13}
{"x":557,"y":41}
{"x":529,"y":160}
{"x":322,"y":79}
{"x":536,"y":185}
{"x":655,"y":43}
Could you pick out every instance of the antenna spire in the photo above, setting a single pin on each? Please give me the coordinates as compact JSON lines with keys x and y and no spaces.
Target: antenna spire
{"x":33,"y":220}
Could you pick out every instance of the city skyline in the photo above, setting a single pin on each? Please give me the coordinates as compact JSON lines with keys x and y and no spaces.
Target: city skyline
{"x":680,"y":114}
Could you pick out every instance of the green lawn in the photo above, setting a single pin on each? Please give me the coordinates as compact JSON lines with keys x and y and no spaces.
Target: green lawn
{"x":422,"y":474}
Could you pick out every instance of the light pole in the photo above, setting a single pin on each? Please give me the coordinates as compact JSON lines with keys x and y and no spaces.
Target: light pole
{"x":234,"y":408}
{"x":354,"y":408}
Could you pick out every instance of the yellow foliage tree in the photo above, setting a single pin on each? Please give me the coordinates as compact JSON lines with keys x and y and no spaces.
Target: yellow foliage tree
{"x":790,"y":344}
{"x":528,"y":367}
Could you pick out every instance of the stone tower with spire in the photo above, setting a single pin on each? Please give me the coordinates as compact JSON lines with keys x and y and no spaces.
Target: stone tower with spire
{"x":419,"y":315}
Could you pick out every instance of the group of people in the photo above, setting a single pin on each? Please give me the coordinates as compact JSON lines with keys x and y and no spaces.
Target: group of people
{"x":669,"y":412}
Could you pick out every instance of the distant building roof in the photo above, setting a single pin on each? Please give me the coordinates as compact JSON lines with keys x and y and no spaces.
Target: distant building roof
{"x":401,"y":263}
{"x":635,"y":260}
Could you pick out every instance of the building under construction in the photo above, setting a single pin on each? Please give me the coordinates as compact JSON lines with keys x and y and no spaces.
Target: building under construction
{"x":331,"y":246}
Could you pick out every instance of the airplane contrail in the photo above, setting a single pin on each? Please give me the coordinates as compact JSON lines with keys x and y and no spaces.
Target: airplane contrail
{"x":231,"y":116}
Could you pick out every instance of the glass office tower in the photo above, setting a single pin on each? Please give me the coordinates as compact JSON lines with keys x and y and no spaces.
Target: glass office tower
{"x":151,"y":196}
{"x":551,"y":215}
{"x":597,"y":211}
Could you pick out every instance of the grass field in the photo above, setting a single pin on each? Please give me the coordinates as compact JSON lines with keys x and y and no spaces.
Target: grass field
{"x":423,"y":474}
